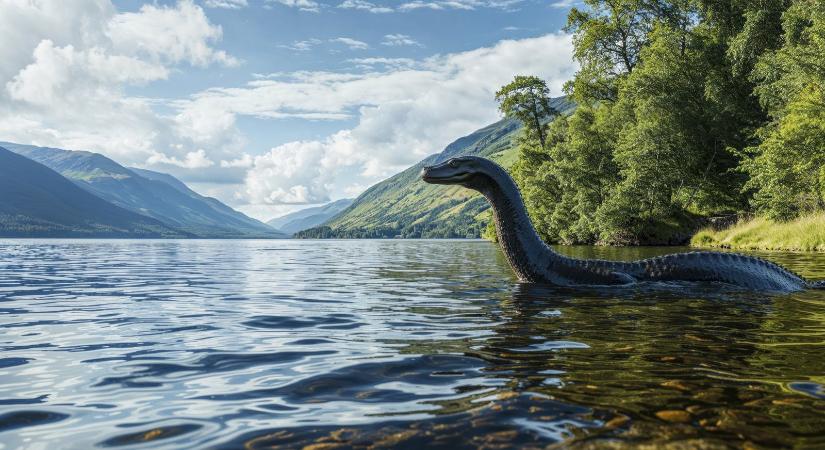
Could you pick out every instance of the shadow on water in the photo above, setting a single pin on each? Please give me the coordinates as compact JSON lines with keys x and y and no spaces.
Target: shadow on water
{"x":393,"y":344}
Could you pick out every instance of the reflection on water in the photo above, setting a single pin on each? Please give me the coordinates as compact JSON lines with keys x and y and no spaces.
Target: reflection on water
{"x":342,"y":344}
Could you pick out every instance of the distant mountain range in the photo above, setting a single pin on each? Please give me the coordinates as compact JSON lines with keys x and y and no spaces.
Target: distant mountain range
{"x":150,"y":194}
{"x":404,"y":206}
{"x":309,"y":217}
{"x":36,"y":201}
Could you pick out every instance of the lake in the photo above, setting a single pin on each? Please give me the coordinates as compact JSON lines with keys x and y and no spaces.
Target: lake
{"x":347,"y":344}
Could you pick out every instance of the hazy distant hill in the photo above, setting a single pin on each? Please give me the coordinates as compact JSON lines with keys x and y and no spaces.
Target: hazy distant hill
{"x":36,"y":201}
{"x":309,"y":217}
{"x":153,"y":194}
{"x":405,"y":206}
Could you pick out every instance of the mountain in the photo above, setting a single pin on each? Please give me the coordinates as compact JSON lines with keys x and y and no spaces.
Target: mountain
{"x":157,"y":195}
{"x":221,"y":213}
{"x":36,"y":201}
{"x":404,"y":206}
{"x":309,"y":217}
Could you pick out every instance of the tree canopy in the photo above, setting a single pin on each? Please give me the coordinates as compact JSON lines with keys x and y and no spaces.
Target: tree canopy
{"x":687,"y":109}
{"x":527,"y":99}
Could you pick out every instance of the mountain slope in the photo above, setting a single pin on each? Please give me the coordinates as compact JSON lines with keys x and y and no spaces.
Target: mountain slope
{"x":153,"y":194}
{"x":404,"y":206}
{"x":220,"y":213}
{"x":36,"y":201}
{"x":309,"y":217}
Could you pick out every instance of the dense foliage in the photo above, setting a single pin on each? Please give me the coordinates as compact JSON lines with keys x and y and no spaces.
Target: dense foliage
{"x":686,"y":109}
{"x":788,"y":164}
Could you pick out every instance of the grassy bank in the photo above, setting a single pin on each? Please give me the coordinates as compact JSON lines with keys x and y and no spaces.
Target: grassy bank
{"x":803,"y":234}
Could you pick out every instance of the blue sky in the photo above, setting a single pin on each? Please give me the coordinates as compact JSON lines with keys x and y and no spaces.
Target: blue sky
{"x":269,"y":105}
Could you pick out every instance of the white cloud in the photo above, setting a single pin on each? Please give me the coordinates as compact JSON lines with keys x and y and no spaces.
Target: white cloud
{"x":371,"y":63}
{"x":302,"y":46}
{"x":404,"y":114}
{"x":25,"y":24}
{"x":353,"y":44}
{"x":366,"y":6}
{"x":309,"y":44}
{"x":437,"y":5}
{"x":458,"y":4}
{"x":58,"y":71}
{"x":193,"y":160}
{"x":565,"y":3}
{"x":63,"y":78}
{"x":292,"y":173}
{"x":303,"y":5}
{"x":226,"y":4}
{"x":417,"y":4}
{"x":169,"y":34}
{"x":398,"y":40}
{"x":245,"y":161}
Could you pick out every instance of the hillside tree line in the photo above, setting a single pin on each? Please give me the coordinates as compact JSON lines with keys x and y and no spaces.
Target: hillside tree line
{"x":686,"y":109}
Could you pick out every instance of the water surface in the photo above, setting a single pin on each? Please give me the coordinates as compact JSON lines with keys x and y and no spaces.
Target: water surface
{"x":347,"y":344}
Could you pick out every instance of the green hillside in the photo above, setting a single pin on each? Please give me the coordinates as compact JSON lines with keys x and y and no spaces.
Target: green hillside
{"x":404,"y":206}
{"x":153,"y":194}
{"x":36,"y":201}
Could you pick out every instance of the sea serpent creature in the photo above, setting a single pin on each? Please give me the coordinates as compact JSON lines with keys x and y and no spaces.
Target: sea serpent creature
{"x":534,"y":261}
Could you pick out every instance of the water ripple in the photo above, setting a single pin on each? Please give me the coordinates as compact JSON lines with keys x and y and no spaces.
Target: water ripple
{"x":258,"y":344}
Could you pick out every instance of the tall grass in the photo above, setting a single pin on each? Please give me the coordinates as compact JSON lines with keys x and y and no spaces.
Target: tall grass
{"x":803,"y":234}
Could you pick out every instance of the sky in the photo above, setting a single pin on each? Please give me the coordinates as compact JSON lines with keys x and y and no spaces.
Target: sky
{"x":269,"y":105}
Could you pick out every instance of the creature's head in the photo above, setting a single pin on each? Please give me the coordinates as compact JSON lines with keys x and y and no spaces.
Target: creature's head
{"x":467,"y":171}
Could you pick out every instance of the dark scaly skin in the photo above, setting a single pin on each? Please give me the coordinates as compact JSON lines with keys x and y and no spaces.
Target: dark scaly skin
{"x":533,"y":261}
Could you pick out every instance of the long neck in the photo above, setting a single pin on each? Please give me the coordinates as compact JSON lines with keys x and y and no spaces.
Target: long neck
{"x":527,"y":254}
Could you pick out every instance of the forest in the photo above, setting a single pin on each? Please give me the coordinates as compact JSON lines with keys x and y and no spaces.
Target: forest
{"x":688,"y":112}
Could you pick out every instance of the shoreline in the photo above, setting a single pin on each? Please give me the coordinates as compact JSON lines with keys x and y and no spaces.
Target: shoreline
{"x":804,"y":234}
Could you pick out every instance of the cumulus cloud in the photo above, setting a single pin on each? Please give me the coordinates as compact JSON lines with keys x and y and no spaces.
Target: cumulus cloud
{"x":169,"y":34}
{"x":60,"y":71}
{"x":63,"y":79}
{"x":244,"y":162}
{"x":291,"y":173}
{"x":404,"y":113}
{"x":193,"y":160}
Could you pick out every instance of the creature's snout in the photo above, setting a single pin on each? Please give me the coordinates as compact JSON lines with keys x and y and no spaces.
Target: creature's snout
{"x":425,"y":172}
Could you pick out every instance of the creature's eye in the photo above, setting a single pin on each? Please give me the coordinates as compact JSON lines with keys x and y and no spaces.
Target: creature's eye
{"x":454,"y":163}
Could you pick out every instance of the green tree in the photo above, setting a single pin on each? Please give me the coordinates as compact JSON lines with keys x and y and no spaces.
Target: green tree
{"x":527,"y":98}
{"x":676,"y":152}
{"x":666,"y":104}
{"x":787,"y":168}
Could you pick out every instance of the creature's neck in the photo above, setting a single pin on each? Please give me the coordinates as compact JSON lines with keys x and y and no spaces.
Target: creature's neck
{"x":527,"y":254}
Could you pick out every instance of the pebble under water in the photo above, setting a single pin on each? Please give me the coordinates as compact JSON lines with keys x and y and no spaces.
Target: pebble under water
{"x":402,"y":344}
